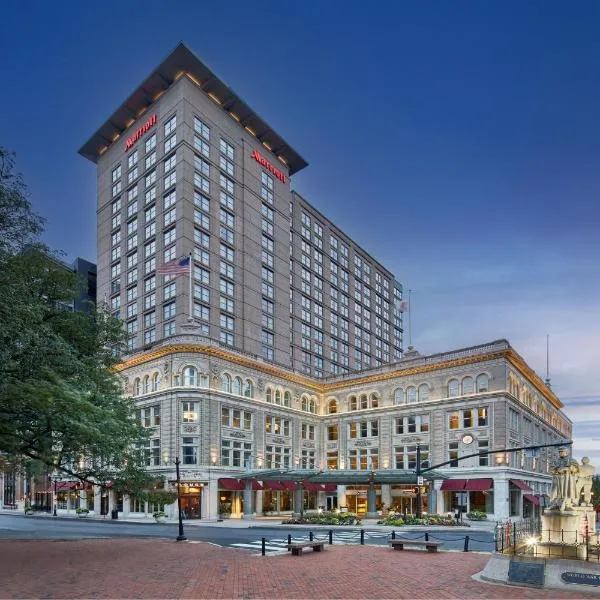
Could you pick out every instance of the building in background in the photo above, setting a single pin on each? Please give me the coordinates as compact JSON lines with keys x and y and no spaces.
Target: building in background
{"x":278,"y":346}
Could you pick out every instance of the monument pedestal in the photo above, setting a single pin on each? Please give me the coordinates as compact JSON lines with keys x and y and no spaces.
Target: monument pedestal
{"x":564,"y":532}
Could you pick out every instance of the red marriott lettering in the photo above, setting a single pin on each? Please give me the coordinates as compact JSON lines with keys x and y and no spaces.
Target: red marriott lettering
{"x":257,"y":156}
{"x":140,"y":132}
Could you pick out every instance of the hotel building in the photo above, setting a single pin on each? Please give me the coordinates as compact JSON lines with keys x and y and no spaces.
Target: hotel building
{"x":282,"y":349}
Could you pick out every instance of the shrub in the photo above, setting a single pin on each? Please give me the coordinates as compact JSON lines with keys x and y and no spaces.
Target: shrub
{"x":476,"y":515}
{"x":158,"y":514}
{"x":82,"y":511}
{"x":324,"y":519}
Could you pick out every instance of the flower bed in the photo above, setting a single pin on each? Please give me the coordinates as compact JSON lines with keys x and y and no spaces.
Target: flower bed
{"x":324,"y":519}
{"x":476,"y":515}
{"x":398,"y":520}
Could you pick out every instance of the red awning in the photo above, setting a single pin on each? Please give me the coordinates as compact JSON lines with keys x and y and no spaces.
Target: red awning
{"x":330,"y":487}
{"x":257,"y":485}
{"x":533,"y":498}
{"x":453,"y":485}
{"x":231,"y":484}
{"x":66,"y":486}
{"x":289,"y":485}
{"x":274,"y":485}
{"x":479,"y":485}
{"x":312,"y":487}
{"x":521,"y":485}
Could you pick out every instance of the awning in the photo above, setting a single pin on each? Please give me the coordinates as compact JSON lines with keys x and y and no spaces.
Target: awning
{"x":289,"y":485}
{"x":479,"y":485}
{"x":521,"y":485}
{"x":274,"y":485}
{"x":330,"y":487}
{"x":533,"y":498}
{"x":66,"y":486}
{"x":257,"y":485}
{"x":453,"y":485}
{"x":231,"y":484}
{"x":312,"y":487}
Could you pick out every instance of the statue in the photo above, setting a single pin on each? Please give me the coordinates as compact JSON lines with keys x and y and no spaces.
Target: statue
{"x":584,"y":481}
{"x":563,"y":494}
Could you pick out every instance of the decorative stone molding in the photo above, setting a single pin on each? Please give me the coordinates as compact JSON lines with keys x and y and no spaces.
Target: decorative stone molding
{"x":278,"y":440}
{"x":190,"y":428}
{"x":307,"y":444}
{"x":260,"y":386}
{"x":237,"y":434}
{"x":363,"y":443}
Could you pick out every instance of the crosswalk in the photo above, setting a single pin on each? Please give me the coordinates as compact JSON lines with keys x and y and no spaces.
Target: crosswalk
{"x":279,"y":545}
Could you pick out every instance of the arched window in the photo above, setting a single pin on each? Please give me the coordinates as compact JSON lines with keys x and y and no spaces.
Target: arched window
{"x":374,"y":400}
{"x":332,"y":406}
{"x":453,"y":388}
{"x":287,"y":399}
{"x":237,"y":386}
{"x":305,"y":403}
{"x":399,"y":396}
{"x":226,"y":383}
{"x":423,"y":392}
{"x":155,"y":382}
{"x":203,"y":381}
{"x":353,"y":404}
{"x":364,"y":402}
{"x":278,"y":397}
{"x":249,"y":389}
{"x":483,"y":382}
{"x":411,"y":394}
{"x":468,"y":387}
{"x":269,"y":395}
{"x":146,"y":386}
{"x":312,"y":406}
{"x":190,"y":376}
{"x":137,"y":387}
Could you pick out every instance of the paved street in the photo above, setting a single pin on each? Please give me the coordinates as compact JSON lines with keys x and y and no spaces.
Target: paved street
{"x":155,"y":568}
{"x":21,"y":527}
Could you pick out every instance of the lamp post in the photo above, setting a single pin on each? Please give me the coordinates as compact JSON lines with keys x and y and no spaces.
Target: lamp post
{"x":54,"y":498}
{"x":181,"y":537}
{"x":419,"y":481}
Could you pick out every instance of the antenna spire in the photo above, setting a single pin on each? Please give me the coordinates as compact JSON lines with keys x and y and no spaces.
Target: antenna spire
{"x":547,"y":381}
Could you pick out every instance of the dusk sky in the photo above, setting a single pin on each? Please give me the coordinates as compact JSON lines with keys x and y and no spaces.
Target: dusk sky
{"x":457,"y":142}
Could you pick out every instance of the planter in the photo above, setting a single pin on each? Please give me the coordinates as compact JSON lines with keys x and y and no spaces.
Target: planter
{"x":160,"y":519}
{"x":82,"y":515}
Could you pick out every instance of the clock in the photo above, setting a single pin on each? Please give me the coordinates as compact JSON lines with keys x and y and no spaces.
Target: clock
{"x":467,"y":439}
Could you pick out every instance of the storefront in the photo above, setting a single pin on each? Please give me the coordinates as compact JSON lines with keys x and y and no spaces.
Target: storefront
{"x":191,"y":500}
{"x":466,"y":495}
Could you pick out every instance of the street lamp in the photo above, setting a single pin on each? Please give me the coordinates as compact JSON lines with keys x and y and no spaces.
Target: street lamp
{"x":180,"y":537}
{"x":54,"y":498}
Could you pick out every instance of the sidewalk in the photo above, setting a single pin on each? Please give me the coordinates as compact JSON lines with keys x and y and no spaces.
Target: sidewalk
{"x":141,"y":568}
{"x":268,"y":523}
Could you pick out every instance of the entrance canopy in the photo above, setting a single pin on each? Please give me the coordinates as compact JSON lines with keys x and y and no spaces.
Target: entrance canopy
{"x":341,"y":477}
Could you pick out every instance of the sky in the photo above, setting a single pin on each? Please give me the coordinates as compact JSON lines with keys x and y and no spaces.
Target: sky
{"x":457,"y":142}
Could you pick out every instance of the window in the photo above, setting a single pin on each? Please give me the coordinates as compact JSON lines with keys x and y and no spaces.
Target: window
{"x":332,"y":459}
{"x":411,"y":395}
{"x":332,"y":433}
{"x":236,"y":454}
{"x":423,"y":392}
{"x":513,"y":419}
{"x":235,"y":418}
{"x":149,"y":416}
{"x":468,"y":386}
{"x":201,"y":128}
{"x":363,"y":459}
{"x":482,"y":383}
{"x":412,"y":424}
{"x":332,"y":407}
{"x":170,"y":125}
{"x":189,"y":412}
{"x":226,"y":383}
{"x":277,"y":457}
{"x":453,"y":453}
{"x":307,"y":459}
{"x":406,"y":456}
{"x":248,"y":389}
{"x":189,"y":450}
{"x":399,"y":396}
{"x":190,"y":376}
{"x":307,"y":431}
{"x":277,"y":425}
{"x":483,"y":446}
{"x":363,"y":429}
{"x":453,"y":388}
{"x":482,"y":417}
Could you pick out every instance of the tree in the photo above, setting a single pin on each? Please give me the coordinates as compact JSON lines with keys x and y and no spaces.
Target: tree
{"x":61,"y":401}
{"x":596,"y":491}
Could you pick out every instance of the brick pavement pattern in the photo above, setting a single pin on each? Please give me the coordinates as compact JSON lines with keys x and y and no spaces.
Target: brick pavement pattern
{"x":136,"y":568}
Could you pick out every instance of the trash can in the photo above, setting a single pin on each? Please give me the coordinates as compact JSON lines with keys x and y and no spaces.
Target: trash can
{"x":114,"y":513}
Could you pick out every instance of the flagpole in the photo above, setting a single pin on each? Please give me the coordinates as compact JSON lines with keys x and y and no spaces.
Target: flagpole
{"x":191,"y":318}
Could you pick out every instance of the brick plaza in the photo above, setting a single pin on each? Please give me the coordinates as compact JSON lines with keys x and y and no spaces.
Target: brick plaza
{"x":138,"y":568}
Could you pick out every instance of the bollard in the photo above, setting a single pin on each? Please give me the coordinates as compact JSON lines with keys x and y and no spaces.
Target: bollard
{"x":263,"y":549}
{"x":289,"y":541}
{"x":362,"y":537}
{"x":330,"y":537}
{"x":393,"y":535}
{"x":466,"y":543}
{"x":310,"y":536}
{"x":426,"y":536}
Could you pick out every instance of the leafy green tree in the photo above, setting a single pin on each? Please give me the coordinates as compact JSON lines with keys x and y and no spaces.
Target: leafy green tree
{"x":596,"y":490}
{"x":61,"y":401}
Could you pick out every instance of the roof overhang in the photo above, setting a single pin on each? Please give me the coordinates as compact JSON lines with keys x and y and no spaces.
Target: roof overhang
{"x":182,"y":61}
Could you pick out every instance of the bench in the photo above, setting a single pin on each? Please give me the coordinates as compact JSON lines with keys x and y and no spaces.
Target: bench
{"x":297,"y":547}
{"x":398,"y":544}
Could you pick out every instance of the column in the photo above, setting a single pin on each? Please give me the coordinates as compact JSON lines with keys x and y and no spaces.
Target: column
{"x":97,"y":500}
{"x":386,"y":495}
{"x":83,"y":498}
{"x":298,"y":501}
{"x":259,"y":502}
{"x":371,"y":502}
{"x":341,"y":495}
{"x":126,"y":505}
{"x":248,"y":512}
{"x":501,"y":498}
{"x":210,"y":500}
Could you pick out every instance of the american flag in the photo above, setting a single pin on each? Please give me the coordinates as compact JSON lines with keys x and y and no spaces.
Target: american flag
{"x":179,"y":266}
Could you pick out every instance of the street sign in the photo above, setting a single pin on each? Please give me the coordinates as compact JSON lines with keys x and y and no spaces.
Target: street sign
{"x":419,"y":480}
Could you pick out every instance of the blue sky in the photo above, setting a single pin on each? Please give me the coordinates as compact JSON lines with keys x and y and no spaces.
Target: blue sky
{"x":458,"y":142}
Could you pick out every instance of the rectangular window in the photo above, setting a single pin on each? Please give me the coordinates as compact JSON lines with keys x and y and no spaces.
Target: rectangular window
{"x":453,"y":453}
{"x":189,"y":412}
{"x":483,"y":446}
{"x":170,"y":125}
{"x":189,"y":450}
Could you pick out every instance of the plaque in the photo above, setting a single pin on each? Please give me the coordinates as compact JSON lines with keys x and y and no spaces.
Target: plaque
{"x":526,"y":573}
{"x":581,"y":578}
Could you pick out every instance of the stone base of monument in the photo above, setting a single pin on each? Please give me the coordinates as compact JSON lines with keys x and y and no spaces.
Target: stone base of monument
{"x":552,"y":573}
{"x":563,"y":532}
